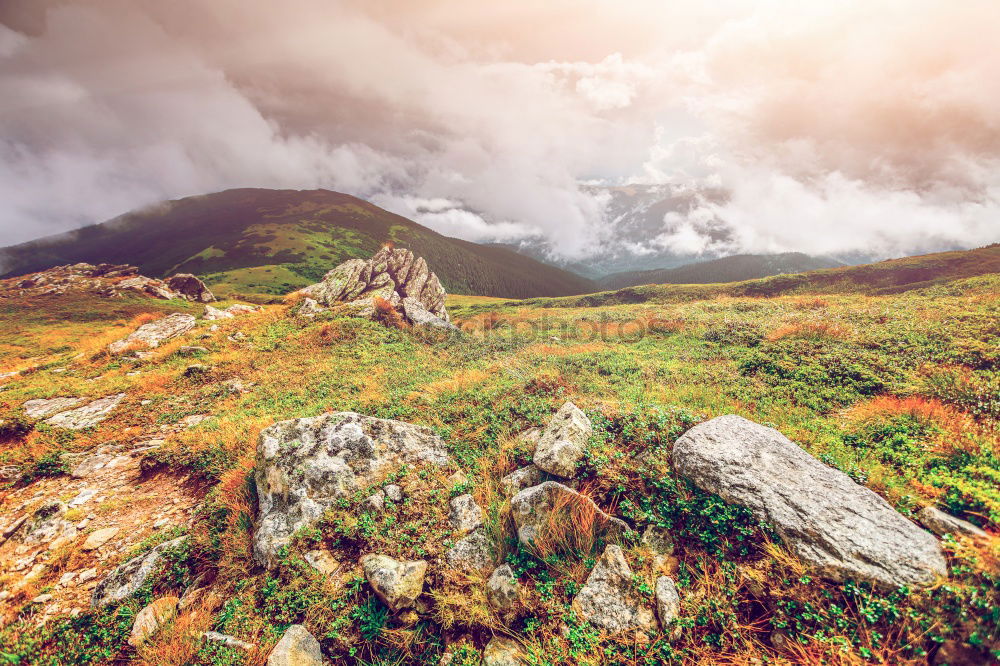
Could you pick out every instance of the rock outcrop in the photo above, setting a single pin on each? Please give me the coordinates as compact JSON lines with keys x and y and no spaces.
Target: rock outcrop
{"x":40,"y":408}
{"x":397,"y":584}
{"x":563,"y":442}
{"x":190,"y":288}
{"x":394,"y":275}
{"x":87,"y":416}
{"x":154,"y":333}
{"x":306,"y":465}
{"x":105,"y":280}
{"x":609,"y":599}
{"x":842,"y":529}
{"x":546,"y":507}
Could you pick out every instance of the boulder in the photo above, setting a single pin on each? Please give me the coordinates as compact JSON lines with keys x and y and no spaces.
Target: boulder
{"x":87,"y":416}
{"x":551,"y":505}
{"x":609,"y":599}
{"x":155,"y":332}
{"x":304,"y":466}
{"x":942,"y":523}
{"x":502,"y":589}
{"x":129,"y":577}
{"x":843,"y":530}
{"x":392,"y":274}
{"x":473,"y":554}
{"x":520,"y":479}
{"x":190,"y":288}
{"x":501,"y":651}
{"x":397,"y":584}
{"x":563,"y":442}
{"x":465,"y":515}
{"x":39,"y":409}
{"x":309,"y":308}
{"x":297,"y":647}
{"x":668,"y":601}
{"x":151,"y":618}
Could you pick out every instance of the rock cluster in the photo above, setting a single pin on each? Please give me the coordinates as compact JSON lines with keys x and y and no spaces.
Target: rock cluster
{"x":106,"y":280}
{"x":393,"y":275}
{"x":305,"y":465}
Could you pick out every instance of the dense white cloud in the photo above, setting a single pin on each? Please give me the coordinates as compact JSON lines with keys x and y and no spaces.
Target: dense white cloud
{"x":833,"y":127}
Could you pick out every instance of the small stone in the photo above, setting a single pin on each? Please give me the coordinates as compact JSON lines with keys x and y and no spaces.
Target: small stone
{"x":191,"y":351}
{"x":67,"y":578}
{"x":98,"y":538}
{"x":87,"y":575}
{"x":668,"y":602}
{"x":297,"y":647}
{"x":609,"y":600}
{"x":42,"y":599}
{"x":458,"y":478}
{"x":151,"y":618}
{"x":563,"y":442}
{"x":658,"y":540}
{"x":394,"y":493}
{"x":471,"y":554}
{"x":322,"y":561}
{"x":374,"y":503}
{"x":942,"y":523}
{"x":397,"y":584}
{"x":162,"y":522}
{"x":520,"y":479}
{"x":227,"y":640}
{"x":502,"y":651}
{"x":465,"y":515}
{"x":83,"y":497}
{"x":502,"y":589}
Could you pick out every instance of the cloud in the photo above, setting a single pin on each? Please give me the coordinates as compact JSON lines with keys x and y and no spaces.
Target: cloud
{"x":831,"y":127}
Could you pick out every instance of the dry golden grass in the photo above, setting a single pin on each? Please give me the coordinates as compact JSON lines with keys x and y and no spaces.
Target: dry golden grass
{"x":387,"y":315}
{"x":813,"y":329}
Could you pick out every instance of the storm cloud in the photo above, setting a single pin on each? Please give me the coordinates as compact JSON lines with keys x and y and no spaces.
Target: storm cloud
{"x":832,"y":127}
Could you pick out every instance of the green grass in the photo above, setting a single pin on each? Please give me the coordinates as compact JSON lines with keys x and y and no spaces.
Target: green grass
{"x":898,"y":390}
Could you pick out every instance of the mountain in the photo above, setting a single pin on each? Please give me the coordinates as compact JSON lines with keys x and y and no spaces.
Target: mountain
{"x":275,"y":241}
{"x":736,"y":268}
{"x":891,"y":276}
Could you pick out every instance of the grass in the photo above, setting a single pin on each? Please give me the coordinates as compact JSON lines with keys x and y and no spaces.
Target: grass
{"x":898,"y":390}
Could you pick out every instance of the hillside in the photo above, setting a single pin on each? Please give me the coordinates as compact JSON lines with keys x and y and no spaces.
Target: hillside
{"x":884,"y":277}
{"x":275,"y":241}
{"x":150,"y":513}
{"x":736,"y":268}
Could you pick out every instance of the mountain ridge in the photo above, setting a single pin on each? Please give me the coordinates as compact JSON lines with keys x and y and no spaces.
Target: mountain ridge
{"x":734,"y":268}
{"x":276,"y":241}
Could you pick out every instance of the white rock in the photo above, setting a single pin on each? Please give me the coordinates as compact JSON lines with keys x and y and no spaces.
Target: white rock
{"x":563,"y":442}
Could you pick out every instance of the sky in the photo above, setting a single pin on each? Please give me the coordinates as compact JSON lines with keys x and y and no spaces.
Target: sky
{"x":831,"y":127}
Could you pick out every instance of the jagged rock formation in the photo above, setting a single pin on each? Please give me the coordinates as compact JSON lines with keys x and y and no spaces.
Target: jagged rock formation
{"x":393,"y":275}
{"x":106,"y":280}
{"x":305,"y":465}
{"x":842,"y":529}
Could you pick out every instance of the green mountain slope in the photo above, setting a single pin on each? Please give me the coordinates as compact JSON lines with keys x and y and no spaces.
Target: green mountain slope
{"x":885,"y":277}
{"x":727,"y":269}
{"x":274,"y":241}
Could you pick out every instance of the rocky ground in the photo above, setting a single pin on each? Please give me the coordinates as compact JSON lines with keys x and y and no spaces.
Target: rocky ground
{"x":344,"y":478}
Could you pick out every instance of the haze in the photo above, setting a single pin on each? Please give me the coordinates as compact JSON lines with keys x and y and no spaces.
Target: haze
{"x":857,"y":126}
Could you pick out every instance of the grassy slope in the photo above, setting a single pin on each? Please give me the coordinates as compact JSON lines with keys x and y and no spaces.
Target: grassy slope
{"x":899,"y":390}
{"x":275,"y":241}
{"x":886,"y":277}
{"x":727,"y":269}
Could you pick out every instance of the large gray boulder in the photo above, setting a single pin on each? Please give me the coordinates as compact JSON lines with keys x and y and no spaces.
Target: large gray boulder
{"x":563,"y":442}
{"x":130,"y":576}
{"x":155,"y":332}
{"x":610,"y":600}
{"x":549,"y":506}
{"x":305,"y":465}
{"x":391,"y":274}
{"x":842,"y":529}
